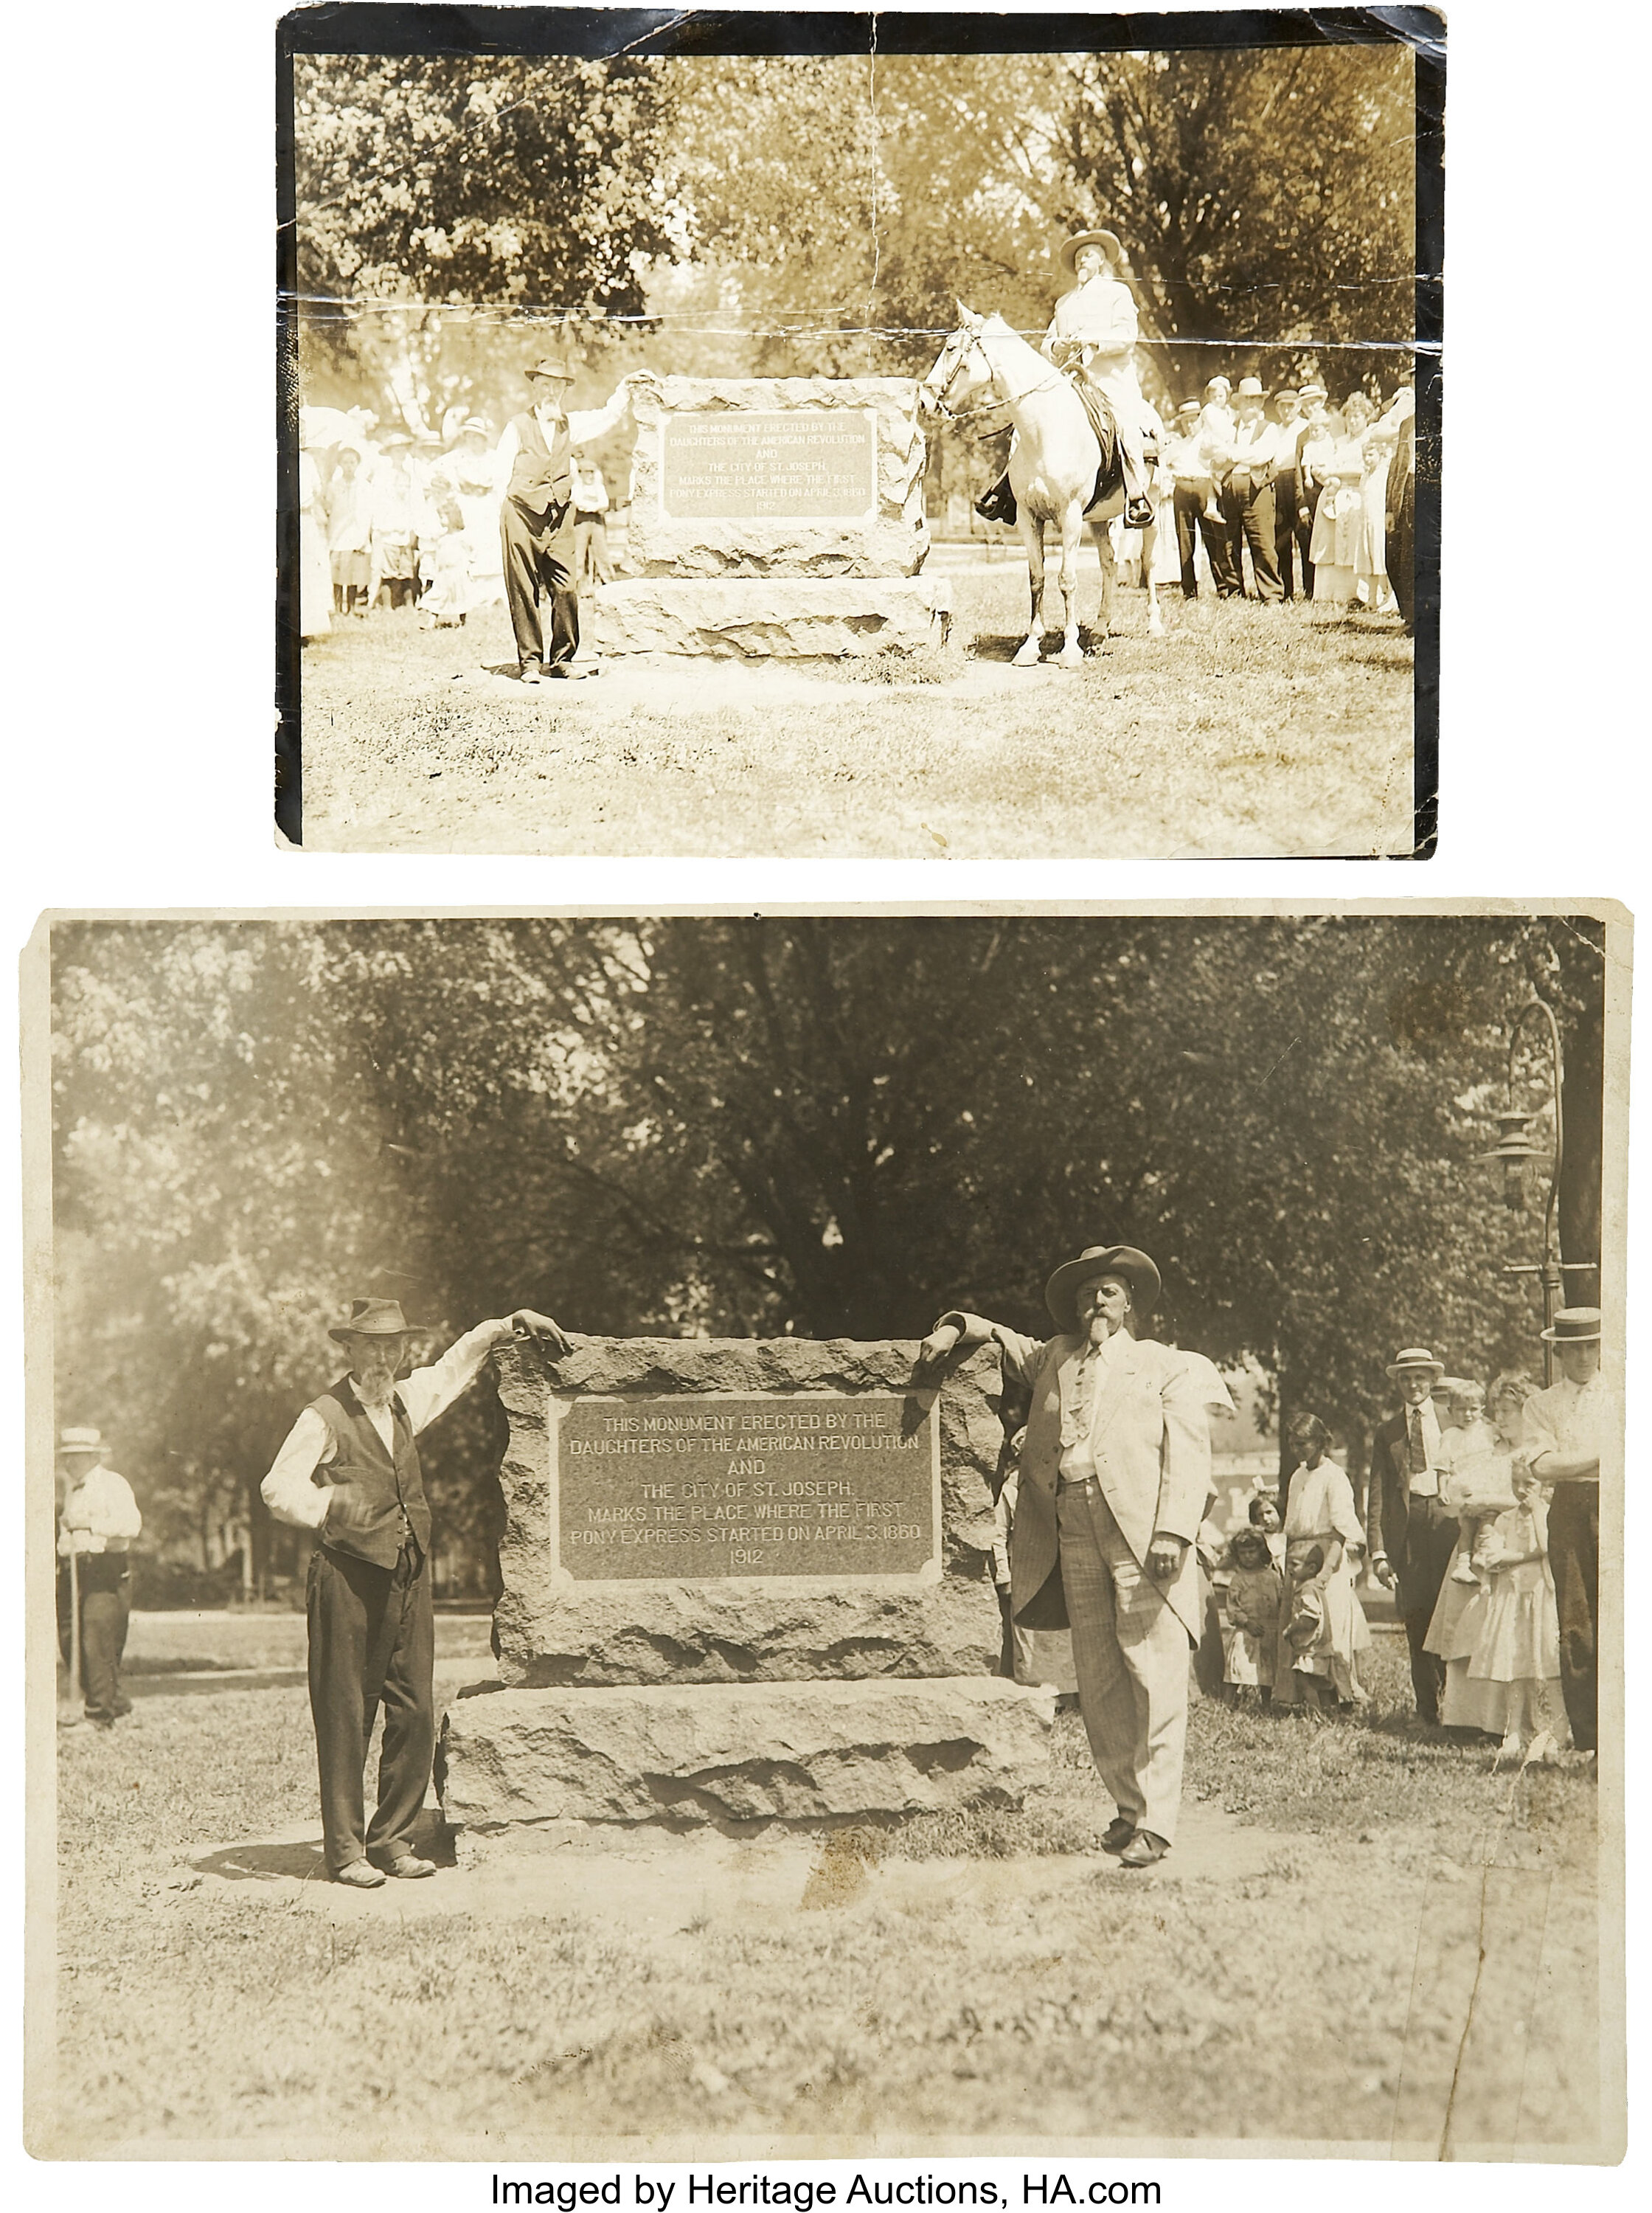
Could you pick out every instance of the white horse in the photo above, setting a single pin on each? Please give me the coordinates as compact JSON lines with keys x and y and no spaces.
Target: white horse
{"x":1054,"y":461}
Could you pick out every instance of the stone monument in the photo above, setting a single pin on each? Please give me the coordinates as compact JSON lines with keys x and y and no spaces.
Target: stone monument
{"x":743,"y":1581}
{"x":775,"y":516}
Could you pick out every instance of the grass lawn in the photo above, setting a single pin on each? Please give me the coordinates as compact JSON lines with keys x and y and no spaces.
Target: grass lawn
{"x":1246,"y":730}
{"x":1322,"y":1958}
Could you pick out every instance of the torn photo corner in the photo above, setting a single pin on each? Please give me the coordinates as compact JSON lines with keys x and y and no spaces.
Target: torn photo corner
{"x":903,"y":436}
{"x":699,"y":1733}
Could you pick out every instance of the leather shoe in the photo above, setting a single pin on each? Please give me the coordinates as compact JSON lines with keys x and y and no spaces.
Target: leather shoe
{"x":1117,"y":1834}
{"x":1144,"y":1850}
{"x":356,"y":1874}
{"x":406,"y":1867}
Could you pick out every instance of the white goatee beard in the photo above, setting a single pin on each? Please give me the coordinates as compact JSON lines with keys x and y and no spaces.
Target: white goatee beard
{"x":1100,"y":1329}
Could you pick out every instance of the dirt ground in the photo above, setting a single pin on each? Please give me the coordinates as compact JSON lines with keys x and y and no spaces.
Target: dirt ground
{"x":1365,"y":1940}
{"x":1245,"y":731}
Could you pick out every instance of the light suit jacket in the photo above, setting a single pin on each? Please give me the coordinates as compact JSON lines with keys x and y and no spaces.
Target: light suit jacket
{"x":1151,"y":1440}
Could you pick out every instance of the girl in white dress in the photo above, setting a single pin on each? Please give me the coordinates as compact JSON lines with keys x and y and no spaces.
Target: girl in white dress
{"x":1323,"y":1627}
{"x":1504,"y":1677}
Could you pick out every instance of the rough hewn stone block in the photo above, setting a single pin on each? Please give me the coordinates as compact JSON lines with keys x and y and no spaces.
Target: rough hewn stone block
{"x":757,"y":1628}
{"x":768,"y":618}
{"x":774,"y":1752}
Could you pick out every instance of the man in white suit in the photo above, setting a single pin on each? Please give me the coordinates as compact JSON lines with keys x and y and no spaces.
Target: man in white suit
{"x":1114,"y":1476}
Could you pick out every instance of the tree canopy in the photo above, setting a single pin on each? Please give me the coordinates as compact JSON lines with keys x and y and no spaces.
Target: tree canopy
{"x":823,"y":1126}
{"x":808,"y":215}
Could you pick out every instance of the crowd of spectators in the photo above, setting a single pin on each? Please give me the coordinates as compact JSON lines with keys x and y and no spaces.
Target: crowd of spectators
{"x":388,"y":519}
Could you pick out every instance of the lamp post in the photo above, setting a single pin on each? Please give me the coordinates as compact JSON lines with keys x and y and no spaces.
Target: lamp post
{"x":1516,"y":1147}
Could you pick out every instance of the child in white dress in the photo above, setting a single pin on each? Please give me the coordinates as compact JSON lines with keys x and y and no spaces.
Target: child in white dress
{"x":1324,"y":1627}
{"x":1504,"y":1676}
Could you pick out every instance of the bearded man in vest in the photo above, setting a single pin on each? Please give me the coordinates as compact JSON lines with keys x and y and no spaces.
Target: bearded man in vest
{"x":536,"y":516}
{"x":349,"y":1470}
{"x":1115,"y":1473}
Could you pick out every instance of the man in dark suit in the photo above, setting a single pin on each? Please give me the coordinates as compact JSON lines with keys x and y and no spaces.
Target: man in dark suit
{"x":1411,"y":1534}
{"x":536,"y":516}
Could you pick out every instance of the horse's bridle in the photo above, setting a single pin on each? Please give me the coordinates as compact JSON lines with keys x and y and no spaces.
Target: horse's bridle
{"x":972,"y":344}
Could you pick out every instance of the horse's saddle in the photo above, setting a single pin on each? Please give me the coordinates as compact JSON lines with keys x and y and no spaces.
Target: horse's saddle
{"x":997,"y":504}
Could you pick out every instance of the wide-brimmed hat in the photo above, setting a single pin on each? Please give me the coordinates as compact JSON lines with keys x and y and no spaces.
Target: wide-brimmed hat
{"x":1105,"y":239}
{"x":554,"y":364}
{"x":1250,"y":388}
{"x":474,"y":423}
{"x":1414,"y":1356}
{"x":1573,"y":1326}
{"x":1313,"y":391}
{"x":1287,"y":392}
{"x":1187,"y":407}
{"x":81,"y":1441}
{"x":373,"y":1318}
{"x":1061,"y":1292}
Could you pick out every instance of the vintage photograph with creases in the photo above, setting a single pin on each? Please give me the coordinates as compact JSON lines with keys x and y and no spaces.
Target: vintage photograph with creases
{"x":852,"y":436}
{"x":808,"y":1536}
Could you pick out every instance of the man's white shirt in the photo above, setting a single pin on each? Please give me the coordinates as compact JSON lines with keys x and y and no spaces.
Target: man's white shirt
{"x":104,"y":1502}
{"x":585,"y":425}
{"x":288,"y":1489}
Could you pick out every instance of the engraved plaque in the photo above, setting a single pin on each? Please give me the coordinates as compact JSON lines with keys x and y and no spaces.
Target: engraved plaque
{"x":805,"y":1485}
{"x":796,"y":463}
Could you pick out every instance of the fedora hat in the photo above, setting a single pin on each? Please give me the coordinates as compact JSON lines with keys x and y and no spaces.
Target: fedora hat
{"x":1061,"y":1292}
{"x":554,"y":364}
{"x":372,"y":1318}
{"x":1250,"y":388}
{"x":1571,"y":1326}
{"x":81,"y":1441}
{"x":1414,"y":1356}
{"x":1105,"y":239}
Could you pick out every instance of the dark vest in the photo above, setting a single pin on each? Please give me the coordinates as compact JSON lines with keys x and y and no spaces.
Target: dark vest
{"x":390,"y":1491}
{"x":542,"y":476}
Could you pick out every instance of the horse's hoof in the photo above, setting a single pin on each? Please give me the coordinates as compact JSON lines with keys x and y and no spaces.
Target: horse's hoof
{"x":1028,"y":656}
{"x":1069,"y":657}
{"x":1155,"y":625}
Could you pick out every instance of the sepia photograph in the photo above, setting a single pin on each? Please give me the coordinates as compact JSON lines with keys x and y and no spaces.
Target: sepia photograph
{"x":921,"y":1534}
{"x":907,"y":437}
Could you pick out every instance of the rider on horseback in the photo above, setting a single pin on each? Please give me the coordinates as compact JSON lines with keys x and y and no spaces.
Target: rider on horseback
{"x":1092,"y":336}
{"x":1094,"y":332}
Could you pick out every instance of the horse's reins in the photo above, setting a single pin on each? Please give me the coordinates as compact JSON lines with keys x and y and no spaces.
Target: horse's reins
{"x":997,"y":401}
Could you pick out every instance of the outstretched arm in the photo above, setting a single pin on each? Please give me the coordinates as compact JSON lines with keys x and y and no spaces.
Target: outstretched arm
{"x":957,"y":1330}
{"x":429,"y":1392}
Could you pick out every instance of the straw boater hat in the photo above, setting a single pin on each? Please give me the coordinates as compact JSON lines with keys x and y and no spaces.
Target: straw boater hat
{"x":1061,"y":1292}
{"x":1187,"y":407}
{"x":1571,"y":1326}
{"x":554,"y":365}
{"x":372,"y":1318}
{"x":1104,"y":239}
{"x":1415,"y":1356}
{"x":81,"y":1441}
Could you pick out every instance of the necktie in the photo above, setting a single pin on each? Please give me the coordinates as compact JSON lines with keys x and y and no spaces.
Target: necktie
{"x":1416,"y":1457}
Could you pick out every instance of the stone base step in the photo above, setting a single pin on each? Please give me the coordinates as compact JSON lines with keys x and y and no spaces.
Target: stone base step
{"x":766,"y":617}
{"x":800,"y":1752}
